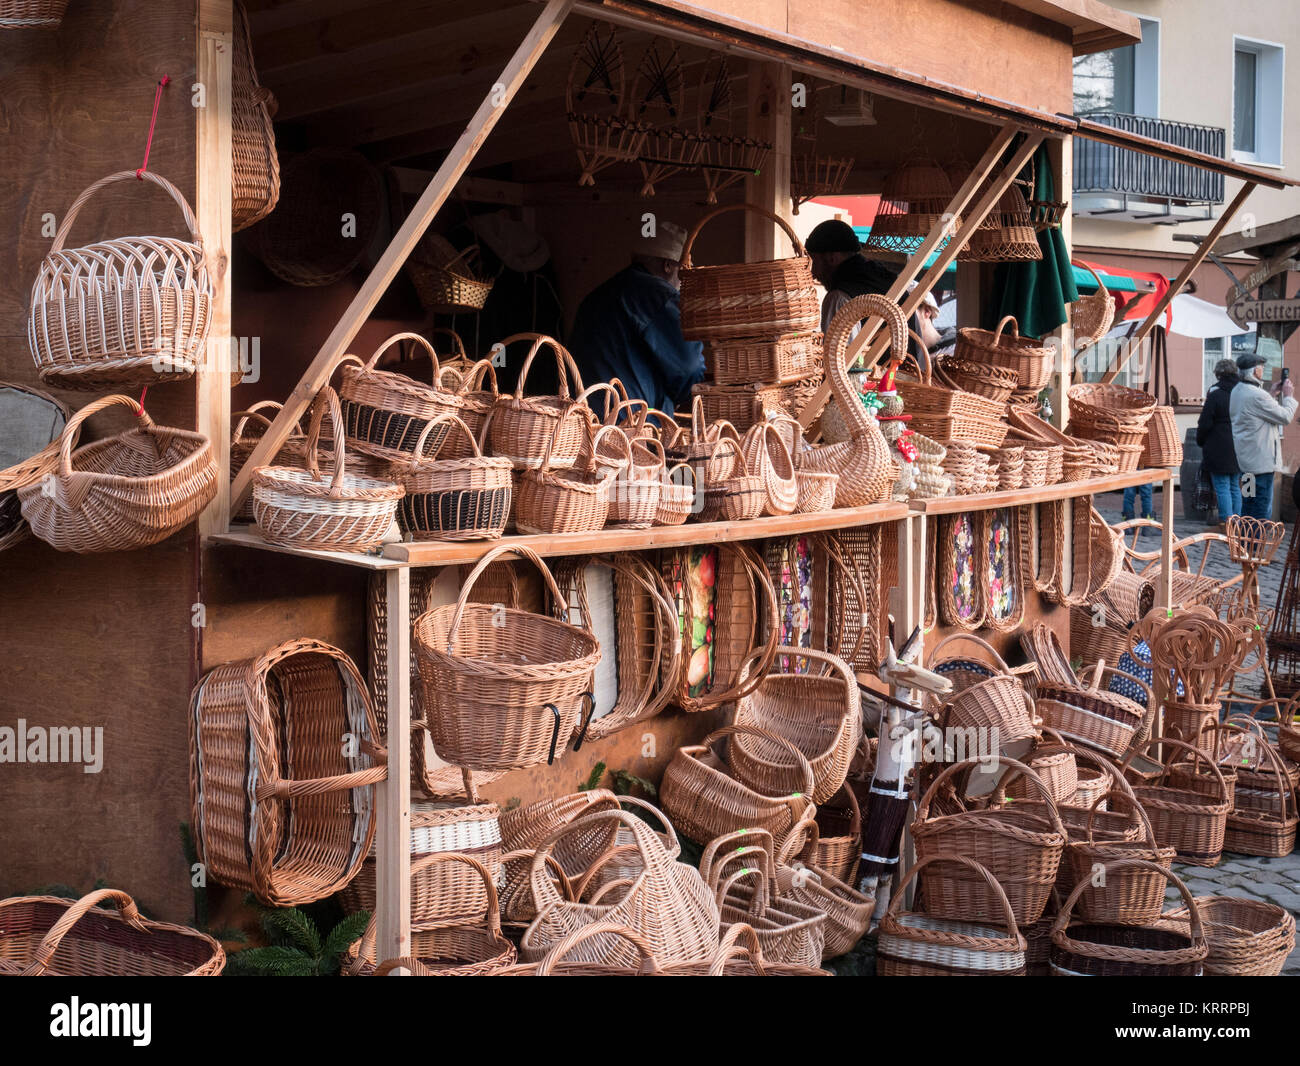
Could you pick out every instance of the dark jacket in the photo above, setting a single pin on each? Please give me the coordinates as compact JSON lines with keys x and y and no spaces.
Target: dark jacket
{"x":630,"y":328}
{"x":1214,"y":430}
{"x":860,"y":276}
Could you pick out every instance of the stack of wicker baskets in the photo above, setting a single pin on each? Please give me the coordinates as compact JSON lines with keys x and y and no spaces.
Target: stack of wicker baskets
{"x":760,"y":326}
{"x":1116,"y":415}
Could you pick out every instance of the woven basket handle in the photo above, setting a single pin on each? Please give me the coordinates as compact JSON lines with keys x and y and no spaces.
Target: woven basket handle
{"x":652,"y":447}
{"x":698,"y":425}
{"x":564,"y":363}
{"x":997,"y":333}
{"x":637,"y":413}
{"x":896,"y":900}
{"x":762,"y":894}
{"x":71,"y":429}
{"x":523,"y":552}
{"x":1197,"y":756}
{"x":255,"y":411}
{"x":50,"y":942}
{"x":970,"y":638}
{"x":458,"y":345}
{"x":625,"y":802}
{"x":1062,"y":939}
{"x":544,"y":892}
{"x":320,"y":786}
{"x":426,"y":862}
{"x":611,"y":406}
{"x":726,"y":431}
{"x":923,"y":808}
{"x":1138,"y":810}
{"x":482,"y":369}
{"x":731,"y":947}
{"x":396,"y":338}
{"x":565,"y":944}
{"x":801,"y":762}
{"x":1101,"y":285}
{"x":326,"y":400}
{"x":456,"y":423}
{"x":746,"y":839}
{"x":795,"y":243}
{"x":128,"y":175}
{"x":405,"y":962}
{"x":668,"y":473}
{"x":610,"y":854}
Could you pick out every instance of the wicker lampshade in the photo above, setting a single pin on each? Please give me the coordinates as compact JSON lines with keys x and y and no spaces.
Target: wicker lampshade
{"x":1006,"y":235}
{"x":914,"y":198}
{"x":817,"y":175}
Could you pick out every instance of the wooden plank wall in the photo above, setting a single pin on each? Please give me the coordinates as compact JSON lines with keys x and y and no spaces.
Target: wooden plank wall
{"x":96,"y":640}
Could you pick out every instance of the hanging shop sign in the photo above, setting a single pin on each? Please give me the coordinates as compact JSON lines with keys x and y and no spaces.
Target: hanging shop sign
{"x":1242,"y":309}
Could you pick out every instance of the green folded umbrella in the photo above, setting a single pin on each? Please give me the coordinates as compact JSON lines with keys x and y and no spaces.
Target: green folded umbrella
{"x":1036,"y":292}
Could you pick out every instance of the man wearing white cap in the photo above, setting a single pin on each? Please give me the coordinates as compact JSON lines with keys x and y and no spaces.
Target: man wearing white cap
{"x":630,"y":327}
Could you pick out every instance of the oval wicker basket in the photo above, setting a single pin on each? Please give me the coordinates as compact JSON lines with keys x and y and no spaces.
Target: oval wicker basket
{"x":121,"y":313}
{"x":1246,"y":937}
{"x":255,"y":165}
{"x":454,"y":499}
{"x":1091,"y":316}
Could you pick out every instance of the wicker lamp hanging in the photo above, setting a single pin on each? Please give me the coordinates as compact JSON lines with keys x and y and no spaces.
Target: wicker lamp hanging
{"x":1007,"y":234}
{"x":914,"y":198}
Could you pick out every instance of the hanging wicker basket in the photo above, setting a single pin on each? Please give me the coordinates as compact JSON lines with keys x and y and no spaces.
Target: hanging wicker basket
{"x":32,"y":14}
{"x":1091,"y":315}
{"x":913,"y":200}
{"x":121,"y":313}
{"x":255,"y":166}
{"x":31,"y":422}
{"x":447,"y":281}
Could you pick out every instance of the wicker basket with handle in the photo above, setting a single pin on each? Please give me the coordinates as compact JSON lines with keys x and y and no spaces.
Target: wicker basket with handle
{"x":1246,"y":937}
{"x":121,"y":313}
{"x":127,"y":491}
{"x":1091,"y":315}
{"x":49,"y":936}
{"x":255,"y":165}
{"x":1192,"y":823}
{"x":523,"y":427}
{"x":767,"y":298}
{"x":1163,"y":447}
{"x":279,"y":806}
{"x":742,"y":361}
{"x":1031,"y":362}
{"x":739,"y":496}
{"x":567,"y":500}
{"x":454,"y":499}
{"x":767,"y":456}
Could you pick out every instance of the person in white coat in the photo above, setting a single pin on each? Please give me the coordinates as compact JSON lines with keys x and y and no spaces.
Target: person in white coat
{"x":1256,"y":422}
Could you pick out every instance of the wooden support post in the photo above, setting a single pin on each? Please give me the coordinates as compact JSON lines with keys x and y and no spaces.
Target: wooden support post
{"x":768,"y":111}
{"x":212,"y":177}
{"x":393,"y":835}
{"x":1176,"y":286}
{"x":440,"y":187}
{"x":1165,"y":585}
{"x":1061,"y":153}
{"x":971,"y":217}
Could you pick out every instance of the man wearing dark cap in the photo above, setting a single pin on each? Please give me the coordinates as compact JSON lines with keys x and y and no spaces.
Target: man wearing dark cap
{"x":1256,"y":420}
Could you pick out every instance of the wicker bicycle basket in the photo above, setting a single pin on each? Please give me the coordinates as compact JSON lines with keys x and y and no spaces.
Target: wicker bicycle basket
{"x":282,"y":760}
{"x":121,"y":313}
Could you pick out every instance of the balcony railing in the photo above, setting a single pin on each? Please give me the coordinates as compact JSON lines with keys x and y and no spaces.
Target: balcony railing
{"x":1102,"y":169}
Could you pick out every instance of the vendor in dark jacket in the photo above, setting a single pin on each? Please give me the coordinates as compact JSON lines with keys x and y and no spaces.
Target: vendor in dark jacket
{"x":1214,"y":435}
{"x":630,"y":327}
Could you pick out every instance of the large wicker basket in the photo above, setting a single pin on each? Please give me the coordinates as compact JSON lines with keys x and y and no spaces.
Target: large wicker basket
{"x":1031,"y":362}
{"x":127,"y":491}
{"x":121,"y":313}
{"x":768,"y":298}
{"x":281,"y":800}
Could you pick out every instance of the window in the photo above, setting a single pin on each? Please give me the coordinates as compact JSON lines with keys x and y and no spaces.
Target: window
{"x":1257,"y":94}
{"x":1125,"y":80}
{"x":1215,"y":348}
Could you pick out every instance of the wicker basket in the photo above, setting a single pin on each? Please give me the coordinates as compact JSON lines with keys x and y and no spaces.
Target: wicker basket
{"x":255,"y":167}
{"x":788,"y":931}
{"x":289,"y":840}
{"x":1091,"y":316}
{"x":1087,"y":949}
{"x":49,"y":936}
{"x":523,"y":427}
{"x":476,"y":400}
{"x":741,"y":405}
{"x":30,"y":445}
{"x":1192,"y":823}
{"x":677,"y":498}
{"x":32,"y":14}
{"x":837,"y":835}
{"x":914,"y":199}
{"x":1032,"y":363}
{"x":1164,"y":447}
{"x":1020,"y":846}
{"x":454,"y":499}
{"x":302,"y":509}
{"x":747,"y":300}
{"x":502,"y":688}
{"x":447,"y":281}
{"x":704,"y":800}
{"x":812,"y":702}
{"x":127,"y":491}
{"x":121,"y":313}
{"x":932,"y":944}
{"x":566,"y":500}
{"x":1135,"y":895}
{"x":1246,"y":937}
{"x":789,"y":358}
{"x":816,"y":491}
{"x":249,"y":427}
{"x":848,"y":912}
{"x":767,"y":456}
{"x":452,"y":949}
{"x":1089,"y":400}
{"x":741,"y":495}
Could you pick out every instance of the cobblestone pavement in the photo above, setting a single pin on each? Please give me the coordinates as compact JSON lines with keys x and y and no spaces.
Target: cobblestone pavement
{"x":1272,"y":880}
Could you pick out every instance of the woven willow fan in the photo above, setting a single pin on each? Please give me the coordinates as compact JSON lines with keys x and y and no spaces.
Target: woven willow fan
{"x":659,"y":90}
{"x":593,"y":98}
{"x":725,"y":159}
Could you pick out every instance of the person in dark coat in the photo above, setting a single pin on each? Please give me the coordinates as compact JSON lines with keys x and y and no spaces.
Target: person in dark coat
{"x":630,"y":328}
{"x":1214,"y":435}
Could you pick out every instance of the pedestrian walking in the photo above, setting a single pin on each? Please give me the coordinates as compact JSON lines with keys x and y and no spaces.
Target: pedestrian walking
{"x":1257,"y":419}
{"x":1214,"y":435}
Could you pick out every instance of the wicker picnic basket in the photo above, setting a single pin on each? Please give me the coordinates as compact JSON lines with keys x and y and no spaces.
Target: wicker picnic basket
{"x":745,"y":300}
{"x":1056,"y":767}
{"x":744,"y":360}
{"x":303,"y":509}
{"x":998,"y":706}
{"x":930,"y":943}
{"x":1192,"y":823}
{"x":288,"y":839}
{"x":721,"y":622}
{"x":767,"y":456}
{"x":1246,"y":937}
{"x":386,"y":413}
{"x":646,"y":651}
{"x":123,"y":492}
{"x":462,"y":948}
{"x":848,"y":911}
{"x":524,"y":427}
{"x":32,"y":14}
{"x":1263,"y":828}
{"x":1020,"y":846}
{"x":811,"y":700}
{"x":667,"y":902}
{"x":1031,"y":362}
{"x":970,"y":668}
{"x":502,"y":688}
{"x":966,"y":412}
{"x":566,"y":500}
{"x":1134,"y":895}
{"x":255,"y":166}
{"x":1163,"y":446}
{"x":454,"y":499}
{"x":124,"y":312}
{"x":1105,"y":949}
{"x":49,"y":936}
{"x":30,"y":445}
{"x":704,"y":799}
{"x":1091,"y":315}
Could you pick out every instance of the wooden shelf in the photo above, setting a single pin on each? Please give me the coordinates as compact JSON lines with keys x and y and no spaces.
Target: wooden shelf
{"x":451,"y":553}
{"x":987,"y":501}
